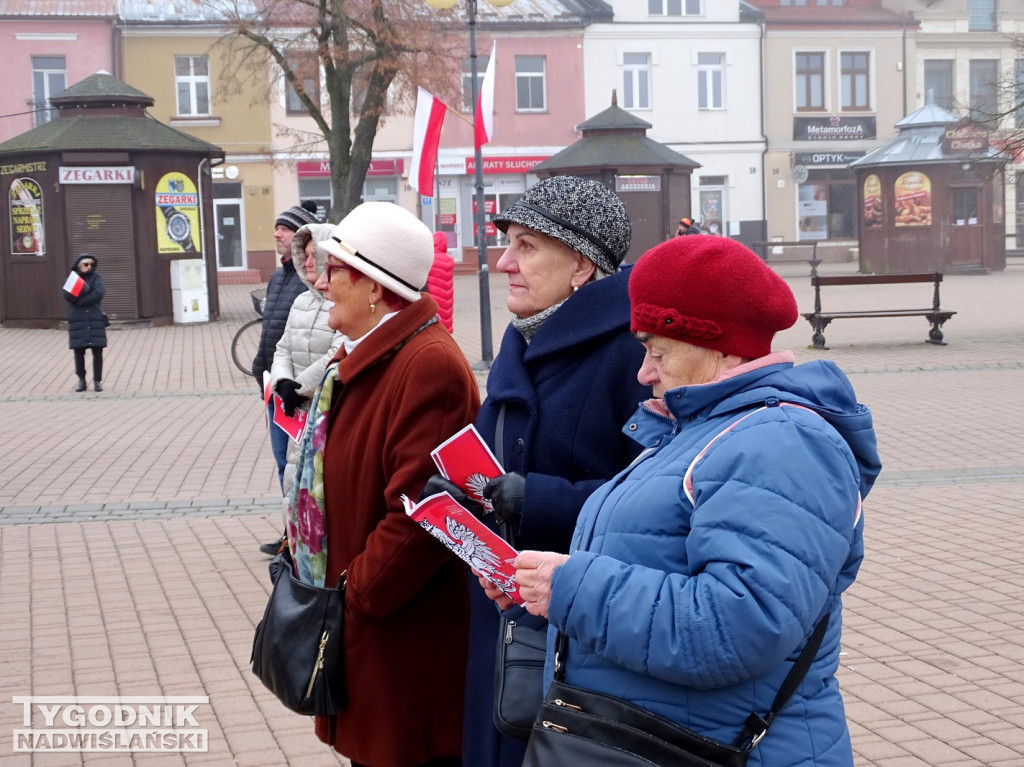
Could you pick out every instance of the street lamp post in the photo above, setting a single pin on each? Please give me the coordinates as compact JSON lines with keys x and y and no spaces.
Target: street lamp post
{"x":480,"y":216}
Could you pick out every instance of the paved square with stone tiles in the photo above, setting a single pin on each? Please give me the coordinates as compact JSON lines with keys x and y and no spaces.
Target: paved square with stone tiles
{"x":130,"y":520}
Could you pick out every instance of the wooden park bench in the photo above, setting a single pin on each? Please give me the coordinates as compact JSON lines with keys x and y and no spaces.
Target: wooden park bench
{"x":819,"y":320}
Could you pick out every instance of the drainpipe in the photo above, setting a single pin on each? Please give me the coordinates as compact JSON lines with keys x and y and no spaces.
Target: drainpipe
{"x":764,"y":135}
{"x":905,"y":71}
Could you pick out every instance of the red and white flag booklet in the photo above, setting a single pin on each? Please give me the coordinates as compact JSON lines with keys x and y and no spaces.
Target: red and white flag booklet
{"x":465,"y":459}
{"x":292,"y":425}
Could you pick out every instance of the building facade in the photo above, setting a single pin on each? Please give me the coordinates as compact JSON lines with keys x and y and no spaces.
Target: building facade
{"x":966,"y":56}
{"x":833,"y":89}
{"x":176,"y":53}
{"x":693,"y":70}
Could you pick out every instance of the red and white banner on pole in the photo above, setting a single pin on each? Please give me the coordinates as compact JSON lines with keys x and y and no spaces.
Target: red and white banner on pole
{"x":483,"y":122}
{"x":426,"y":136}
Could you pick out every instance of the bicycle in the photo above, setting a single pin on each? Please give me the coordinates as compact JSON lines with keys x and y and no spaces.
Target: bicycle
{"x":247,"y":339}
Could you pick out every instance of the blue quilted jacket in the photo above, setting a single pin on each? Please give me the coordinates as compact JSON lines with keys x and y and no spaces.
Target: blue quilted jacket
{"x":696,"y":610}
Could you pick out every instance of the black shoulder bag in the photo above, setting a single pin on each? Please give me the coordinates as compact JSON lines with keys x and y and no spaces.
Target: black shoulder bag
{"x":578,"y":726}
{"x":522,"y":645}
{"x":298,"y":651}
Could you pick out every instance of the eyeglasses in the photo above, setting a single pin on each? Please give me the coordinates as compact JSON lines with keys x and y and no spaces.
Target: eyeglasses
{"x":331,"y":268}
{"x":86,"y":265}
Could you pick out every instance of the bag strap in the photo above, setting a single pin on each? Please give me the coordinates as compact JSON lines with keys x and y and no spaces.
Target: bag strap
{"x":756,"y":726}
{"x":499,"y":452}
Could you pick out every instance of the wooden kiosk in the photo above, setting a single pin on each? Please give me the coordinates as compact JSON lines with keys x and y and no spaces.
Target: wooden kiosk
{"x":931,"y":199}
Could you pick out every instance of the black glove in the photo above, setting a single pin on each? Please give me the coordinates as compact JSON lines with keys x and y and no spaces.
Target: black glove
{"x":506,"y":496}
{"x":288,"y":391}
{"x":438,"y":484}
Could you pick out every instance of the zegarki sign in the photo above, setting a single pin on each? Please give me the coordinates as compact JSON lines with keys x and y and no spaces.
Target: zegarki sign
{"x":119,"y":174}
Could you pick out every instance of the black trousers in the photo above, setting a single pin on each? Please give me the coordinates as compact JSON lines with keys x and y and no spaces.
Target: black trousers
{"x":97,"y":362}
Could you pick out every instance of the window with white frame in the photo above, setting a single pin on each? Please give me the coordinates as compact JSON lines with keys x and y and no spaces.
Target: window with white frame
{"x":192,"y":81}
{"x":530,"y":84}
{"x":636,"y":81}
{"x":710,"y":77}
{"x":938,"y":82}
{"x":981,"y":15}
{"x":984,"y":88}
{"x":467,"y":80}
{"x":810,"y":81}
{"x":49,"y":77}
{"x":1018,"y":100}
{"x":306,"y":69}
{"x":855,"y":80}
{"x":673,"y":7}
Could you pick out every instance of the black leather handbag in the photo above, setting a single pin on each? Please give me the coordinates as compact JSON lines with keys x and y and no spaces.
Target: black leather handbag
{"x":519,"y":674}
{"x":577,"y":726}
{"x":298,"y":651}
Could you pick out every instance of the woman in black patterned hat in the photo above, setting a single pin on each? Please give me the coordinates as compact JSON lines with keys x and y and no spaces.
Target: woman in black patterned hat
{"x":561,"y":388}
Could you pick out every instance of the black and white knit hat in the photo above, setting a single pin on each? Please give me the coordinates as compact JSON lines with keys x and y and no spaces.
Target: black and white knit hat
{"x":583,"y":214}
{"x":297,"y":215}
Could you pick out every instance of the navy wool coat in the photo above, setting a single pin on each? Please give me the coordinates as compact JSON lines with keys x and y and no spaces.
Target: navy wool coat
{"x":283,"y":287}
{"x":566,"y":396}
{"x":85,"y":317}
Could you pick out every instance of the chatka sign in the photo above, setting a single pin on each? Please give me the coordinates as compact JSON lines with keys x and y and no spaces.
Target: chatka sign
{"x":965,"y":138}
{"x":25,"y":200}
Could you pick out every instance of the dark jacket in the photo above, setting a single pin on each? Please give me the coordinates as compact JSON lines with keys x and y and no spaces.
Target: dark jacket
{"x":85,"y":317}
{"x":405,"y":604}
{"x":566,"y":396}
{"x":283,"y":287}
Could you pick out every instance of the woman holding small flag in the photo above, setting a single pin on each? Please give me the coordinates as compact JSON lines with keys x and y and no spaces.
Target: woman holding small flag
{"x":87,"y":324}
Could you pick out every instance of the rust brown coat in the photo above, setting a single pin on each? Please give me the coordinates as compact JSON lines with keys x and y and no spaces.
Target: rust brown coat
{"x":406,"y":601}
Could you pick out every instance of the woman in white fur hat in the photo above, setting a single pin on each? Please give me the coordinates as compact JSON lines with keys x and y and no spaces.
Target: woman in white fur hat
{"x":399,"y":386}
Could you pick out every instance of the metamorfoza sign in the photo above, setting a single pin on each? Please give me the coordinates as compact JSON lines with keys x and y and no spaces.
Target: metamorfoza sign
{"x":833,"y":128}
{"x":114,"y":724}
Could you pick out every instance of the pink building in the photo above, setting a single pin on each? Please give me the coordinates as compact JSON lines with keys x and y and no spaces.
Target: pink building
{"x":48,"y":45}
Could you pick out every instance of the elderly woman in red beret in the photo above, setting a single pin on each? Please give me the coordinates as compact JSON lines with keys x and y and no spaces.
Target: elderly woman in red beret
{"x":699,"y":573}
{"x":398,"y":387}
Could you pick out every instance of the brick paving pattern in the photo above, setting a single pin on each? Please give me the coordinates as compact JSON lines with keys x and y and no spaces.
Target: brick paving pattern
{"x":130,"y":519}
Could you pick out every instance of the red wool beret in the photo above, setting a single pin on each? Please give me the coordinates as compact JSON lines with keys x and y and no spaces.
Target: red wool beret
{"x":712,"y":292}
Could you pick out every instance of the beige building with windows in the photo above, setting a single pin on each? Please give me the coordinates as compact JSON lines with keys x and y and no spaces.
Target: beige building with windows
{"x":832,"y":91}
{"x":175,"y":56}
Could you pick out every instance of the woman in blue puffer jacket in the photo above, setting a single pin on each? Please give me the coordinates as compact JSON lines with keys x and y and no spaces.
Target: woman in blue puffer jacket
{"x":698,"y":574}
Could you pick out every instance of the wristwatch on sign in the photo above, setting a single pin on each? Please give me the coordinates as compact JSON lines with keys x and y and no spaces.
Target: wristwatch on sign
{"x":179,"y":228}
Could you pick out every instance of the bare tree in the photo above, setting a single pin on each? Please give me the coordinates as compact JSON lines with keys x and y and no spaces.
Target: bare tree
{"x":372,"y":54}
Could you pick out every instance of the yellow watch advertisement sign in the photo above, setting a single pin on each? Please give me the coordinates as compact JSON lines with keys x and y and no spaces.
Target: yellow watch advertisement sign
{"x":177,"y":215}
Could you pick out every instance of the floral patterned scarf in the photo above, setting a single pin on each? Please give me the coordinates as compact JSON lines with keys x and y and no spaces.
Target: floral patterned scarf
{"x":307,"y":521}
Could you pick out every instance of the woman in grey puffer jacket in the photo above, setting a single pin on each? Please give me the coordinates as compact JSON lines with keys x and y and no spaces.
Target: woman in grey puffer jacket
{"x":308,"y":344}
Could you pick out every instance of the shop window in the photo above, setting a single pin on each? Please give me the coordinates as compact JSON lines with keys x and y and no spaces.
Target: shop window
{"x":306,"y":69}
{"x":636,"y":81}
{"x":855,"y":80}
{"x":530,"y":84}
{"x":319,"y":191}
{"x":810,"y":81}
{"x":710,"y":74}
{"x":192,"y":81}
{"x":965,"y":206}
{"x":49,"y":77}
{"x":938,"y":83}
{"x":827,"y":207}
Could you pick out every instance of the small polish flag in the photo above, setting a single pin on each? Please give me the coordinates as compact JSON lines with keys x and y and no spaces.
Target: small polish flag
{"x":74,"y":284}
{"x":426,"y":136}
{"x":483,"y":123}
